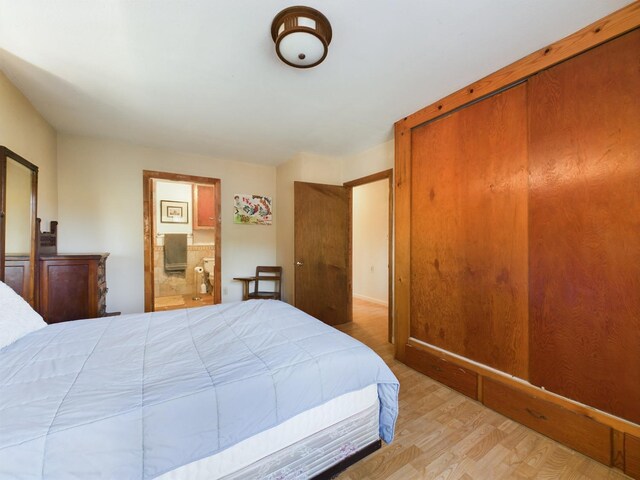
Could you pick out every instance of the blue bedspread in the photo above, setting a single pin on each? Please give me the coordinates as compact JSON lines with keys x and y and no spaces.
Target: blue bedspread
{"x":139,"y":395}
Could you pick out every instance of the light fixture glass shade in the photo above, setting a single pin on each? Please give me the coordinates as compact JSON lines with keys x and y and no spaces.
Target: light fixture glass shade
{"x":301,"y":49}
{"x":302,"y":36}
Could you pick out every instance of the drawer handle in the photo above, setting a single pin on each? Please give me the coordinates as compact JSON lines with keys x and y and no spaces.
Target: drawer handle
{"x":436,"y":368}
{"x":535,"y":414}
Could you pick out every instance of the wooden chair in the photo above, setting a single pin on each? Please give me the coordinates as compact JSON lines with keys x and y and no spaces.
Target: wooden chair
{"x":266,"y":274}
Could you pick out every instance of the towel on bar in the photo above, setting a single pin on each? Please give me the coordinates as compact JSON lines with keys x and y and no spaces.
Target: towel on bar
{"x":175,"y":252}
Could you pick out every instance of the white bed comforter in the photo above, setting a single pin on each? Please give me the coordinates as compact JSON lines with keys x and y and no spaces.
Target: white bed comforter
{"x":139,"y":395}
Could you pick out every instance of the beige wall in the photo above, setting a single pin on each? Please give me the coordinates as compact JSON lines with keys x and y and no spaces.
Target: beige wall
{"x":306,"y":167}
{"x":94,"y":188}
{"x":374,"y":160}
{"x":371,"y":241}
{"x":24,"y":131}
{"x":100,"y":209}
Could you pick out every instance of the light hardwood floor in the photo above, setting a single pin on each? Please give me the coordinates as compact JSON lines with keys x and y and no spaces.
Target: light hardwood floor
{"x":176,"y":302}
{"x":441,"y":434}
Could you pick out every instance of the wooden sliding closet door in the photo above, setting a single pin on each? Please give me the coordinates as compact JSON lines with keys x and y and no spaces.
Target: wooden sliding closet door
{"x":469,"y":232}
{"x":584,"y":227}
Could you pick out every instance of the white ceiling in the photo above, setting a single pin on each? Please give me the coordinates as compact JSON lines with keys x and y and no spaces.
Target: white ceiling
{"x":202,"y":75}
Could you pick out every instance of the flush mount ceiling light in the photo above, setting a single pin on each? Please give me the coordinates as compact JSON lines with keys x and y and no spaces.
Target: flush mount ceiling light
{"x":302,"y":36}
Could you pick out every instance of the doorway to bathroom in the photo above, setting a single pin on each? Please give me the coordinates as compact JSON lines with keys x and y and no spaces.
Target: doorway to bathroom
{"x":182,"y":247}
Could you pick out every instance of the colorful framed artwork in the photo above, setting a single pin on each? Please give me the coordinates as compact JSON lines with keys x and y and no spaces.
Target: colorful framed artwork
{"x":252,"y":209}
{"x":174,"y":212}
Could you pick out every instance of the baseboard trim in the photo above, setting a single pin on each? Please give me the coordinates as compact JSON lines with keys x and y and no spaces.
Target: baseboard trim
{"x":370,"y":299}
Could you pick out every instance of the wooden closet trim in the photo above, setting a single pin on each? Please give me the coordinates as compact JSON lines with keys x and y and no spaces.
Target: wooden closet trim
{"x":611,"y":26}
{"x":484,"y":371}
{"x":402,"y":240}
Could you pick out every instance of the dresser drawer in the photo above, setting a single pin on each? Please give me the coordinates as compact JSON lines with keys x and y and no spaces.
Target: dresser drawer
{"x":577,"y":431}
{"x":458,"y":378}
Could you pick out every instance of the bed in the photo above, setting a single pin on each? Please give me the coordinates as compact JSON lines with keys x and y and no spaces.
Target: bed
{"x":254,"y":389}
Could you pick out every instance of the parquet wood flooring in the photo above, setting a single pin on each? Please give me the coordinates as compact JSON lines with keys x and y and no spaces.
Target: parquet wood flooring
{"x":443,"y":435}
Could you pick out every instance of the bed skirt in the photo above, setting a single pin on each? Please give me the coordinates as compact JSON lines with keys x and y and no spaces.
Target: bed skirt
{"x":315,"y":456}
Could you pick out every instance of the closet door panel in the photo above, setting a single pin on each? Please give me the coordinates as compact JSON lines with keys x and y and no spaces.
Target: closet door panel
{"x":469,"y":232}
{"x":584,"y":227}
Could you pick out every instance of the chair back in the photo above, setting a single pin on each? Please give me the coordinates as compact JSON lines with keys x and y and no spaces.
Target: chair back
{"x":269,"y":274}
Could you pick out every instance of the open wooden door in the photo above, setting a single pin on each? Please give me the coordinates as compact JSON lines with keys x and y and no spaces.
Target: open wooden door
{"x":321,"y":251}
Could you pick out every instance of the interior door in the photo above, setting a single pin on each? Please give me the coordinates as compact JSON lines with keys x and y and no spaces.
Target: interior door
{"x":321,"y":251}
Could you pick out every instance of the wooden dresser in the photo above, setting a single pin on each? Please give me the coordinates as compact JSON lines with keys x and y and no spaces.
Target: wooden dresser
{"x":17,"y":273}
{"x":72,"y":287}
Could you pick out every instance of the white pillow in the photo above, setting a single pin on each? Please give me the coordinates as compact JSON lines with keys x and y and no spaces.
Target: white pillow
{"x":17,"y":318}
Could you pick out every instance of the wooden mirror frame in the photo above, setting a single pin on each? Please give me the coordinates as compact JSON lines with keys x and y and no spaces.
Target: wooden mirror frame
{"x":30,"y":293}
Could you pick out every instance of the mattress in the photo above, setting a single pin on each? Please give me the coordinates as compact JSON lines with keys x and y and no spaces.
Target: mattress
{"x":279,"y":447}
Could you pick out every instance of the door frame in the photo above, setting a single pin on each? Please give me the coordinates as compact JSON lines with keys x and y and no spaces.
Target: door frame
{"x":375,"y":177}
{"x":149,"y":227}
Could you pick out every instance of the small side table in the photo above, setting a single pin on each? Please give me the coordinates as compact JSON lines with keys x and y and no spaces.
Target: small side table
{"x":245,"y":285}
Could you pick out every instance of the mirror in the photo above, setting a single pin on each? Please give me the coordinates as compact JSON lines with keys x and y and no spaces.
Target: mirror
{"x":18,"y":214}
{"x":18,"y":187}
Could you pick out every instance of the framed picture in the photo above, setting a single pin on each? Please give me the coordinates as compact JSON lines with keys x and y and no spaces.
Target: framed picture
{"x":252,"y":209}
{"x":174,"y":212}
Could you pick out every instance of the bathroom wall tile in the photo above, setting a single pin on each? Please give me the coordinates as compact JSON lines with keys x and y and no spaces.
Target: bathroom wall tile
{"x":179,"y":283}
